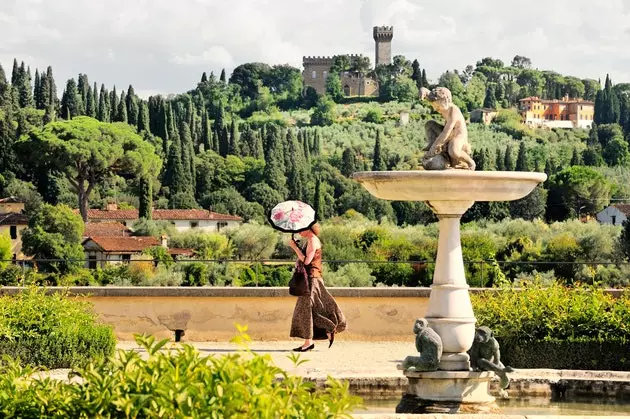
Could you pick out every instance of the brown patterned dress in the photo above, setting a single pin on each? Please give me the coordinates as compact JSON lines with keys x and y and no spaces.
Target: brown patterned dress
{"x":316,"y":314}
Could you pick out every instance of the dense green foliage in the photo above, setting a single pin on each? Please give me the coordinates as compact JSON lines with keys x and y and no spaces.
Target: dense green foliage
{"x":557,"y":327}
{"x":240,"y":145}
{"x":176,"y":384}
{"x":53,"y":331}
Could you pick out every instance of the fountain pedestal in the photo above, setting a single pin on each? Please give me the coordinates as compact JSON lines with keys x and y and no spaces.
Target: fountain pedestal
{"x":449,"y":193}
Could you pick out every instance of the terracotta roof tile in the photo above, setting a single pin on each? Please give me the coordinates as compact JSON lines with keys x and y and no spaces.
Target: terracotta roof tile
{"x":162,"y":214}
{"x":625,"y":208}
{"x":13,"y":218}
{"x":106,"y":229}
{"x":124,"y":244}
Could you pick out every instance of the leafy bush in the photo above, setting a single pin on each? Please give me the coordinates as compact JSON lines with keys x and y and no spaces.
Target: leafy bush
{"x":54,"y":331}
{"x":174,"y":384}
{"x":195,"y":274}
{"x":534,"y":317}
{"x":350,"y":275}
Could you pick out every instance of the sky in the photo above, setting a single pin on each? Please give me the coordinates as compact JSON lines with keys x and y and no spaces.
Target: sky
{"x":163,"y":46}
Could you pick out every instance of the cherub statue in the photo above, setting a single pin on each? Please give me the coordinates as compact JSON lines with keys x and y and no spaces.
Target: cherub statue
{"x":428,"y":344}
{"x":485,"y":355}
{"x":448,"y":145}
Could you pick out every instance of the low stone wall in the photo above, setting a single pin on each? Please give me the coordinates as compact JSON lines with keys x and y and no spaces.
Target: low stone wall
{"x":210,"y":313}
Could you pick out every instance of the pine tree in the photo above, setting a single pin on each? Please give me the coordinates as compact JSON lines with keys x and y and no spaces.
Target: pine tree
{"x":70,"y":101}
{"x":521,"y":160}
{"x":508,"y":162}
{"x":234,"y":138}
{"x":132,"y":106}
{"x":378,"y":163}
{"x":103,"y":105}
{"x":146,"y":198}
{"x":348,"y":162}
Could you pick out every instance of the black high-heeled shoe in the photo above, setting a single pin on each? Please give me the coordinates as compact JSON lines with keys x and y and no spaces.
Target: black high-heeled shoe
{"x":308,"y":348}
{"x":331,"y":339}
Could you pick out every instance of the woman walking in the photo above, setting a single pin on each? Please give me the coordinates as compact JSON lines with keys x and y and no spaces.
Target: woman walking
{"x":316,"y":316}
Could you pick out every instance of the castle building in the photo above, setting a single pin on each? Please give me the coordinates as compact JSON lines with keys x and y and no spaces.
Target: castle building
{"x":353,"y":83}
{"x":564,"y":113}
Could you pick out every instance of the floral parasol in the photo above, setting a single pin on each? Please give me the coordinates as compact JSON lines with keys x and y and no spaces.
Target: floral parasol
{"x":292,"y":216}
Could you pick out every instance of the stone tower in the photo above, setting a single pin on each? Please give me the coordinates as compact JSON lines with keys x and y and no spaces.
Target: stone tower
{"x":383,"y":39}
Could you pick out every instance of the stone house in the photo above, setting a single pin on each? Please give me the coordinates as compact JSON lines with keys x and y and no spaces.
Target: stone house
{"x":12,"y":222}
{"x":614,"y":214}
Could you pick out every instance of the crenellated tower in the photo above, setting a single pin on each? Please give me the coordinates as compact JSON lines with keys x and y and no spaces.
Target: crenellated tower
{"x":383,"y":44}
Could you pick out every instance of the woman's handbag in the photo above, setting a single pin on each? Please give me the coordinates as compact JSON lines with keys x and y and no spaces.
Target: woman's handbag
{"x":299,"y":284}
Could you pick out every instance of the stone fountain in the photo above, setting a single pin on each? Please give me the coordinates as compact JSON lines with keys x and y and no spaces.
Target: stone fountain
{"x":449,"y":187}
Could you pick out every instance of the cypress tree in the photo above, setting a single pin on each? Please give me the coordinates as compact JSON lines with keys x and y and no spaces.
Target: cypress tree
{"x":90,"y":106}
{"x":425,"y":82}
{"x":146,"y":198}
{"x":43,"y":92}
{"x":24,"y":88}
{"x":113,"y":105}
{"x":348,"y":162}
{"x":37,"y":92}
{"x":204,"y":77}
{"x":378,"y":163}
{"x":50,"y":94}
{"x":224,"y":142}
{"x":83,"y":86}
{"x":103,"y":105}
{"x":296,"y":174}
{"x":234,"y":138}
{"x":575,"y":158}
{"x":121,"y":114}
{"x":222,"y":77}
{"x":317,"y":144}
{"x":508,"y":163}
{"x":306,"y":147}
{"x":499,"y":162}
{"x":70,"y":101}
{"x":318,"y":200}
{"x":95,"y":99}
{"x":206,"y":131}
{"x":187,"y":151}
{"x":4,"y":87}
{"x":132,"y":106}
{"x":416,"y":75}
{"x":143,"y":117}
{"x":490,"y":102}
{"x":521,"y":160}
{"x":274,"y":172}
{"x":15,"y":72}
{"x":8,"y":159}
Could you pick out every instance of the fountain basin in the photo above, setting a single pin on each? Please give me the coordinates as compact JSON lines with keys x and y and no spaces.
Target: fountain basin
{"x":449,"y":185}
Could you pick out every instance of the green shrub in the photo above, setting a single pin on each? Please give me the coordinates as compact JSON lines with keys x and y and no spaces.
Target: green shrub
{"x":570,"y":317}
{"x":175,"y":384}
{"x":195,"y":274}
{"x":54,"y":331}
{"x":10,"y":276}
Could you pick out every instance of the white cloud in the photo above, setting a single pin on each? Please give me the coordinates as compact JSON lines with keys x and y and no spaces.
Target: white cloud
{"x":164,"y":46}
